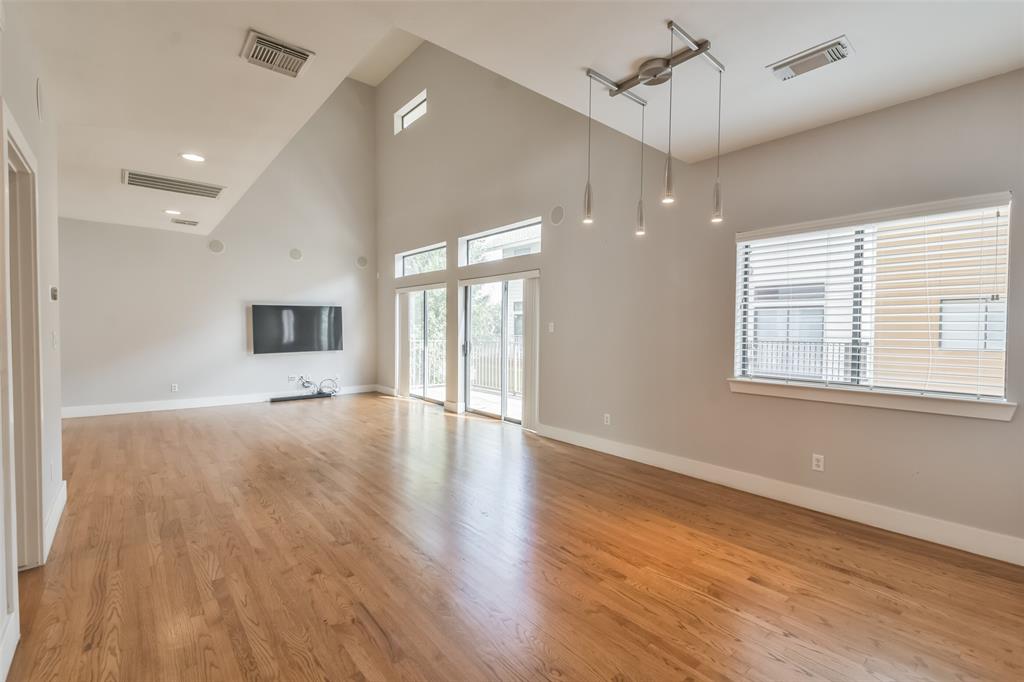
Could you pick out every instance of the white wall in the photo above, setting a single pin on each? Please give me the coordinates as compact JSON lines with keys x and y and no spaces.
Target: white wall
{"x":146,"y":308}
{"x":644,"y":328}
{"x":20,"y":69}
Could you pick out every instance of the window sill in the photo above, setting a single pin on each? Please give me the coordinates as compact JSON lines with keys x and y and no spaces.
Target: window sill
{"x":998,"y":410}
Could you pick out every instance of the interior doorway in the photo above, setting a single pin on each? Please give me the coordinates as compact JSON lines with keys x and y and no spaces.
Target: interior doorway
{"x":500,"y":333}
{"x":25,"y":351}
{"x":21,"y":517}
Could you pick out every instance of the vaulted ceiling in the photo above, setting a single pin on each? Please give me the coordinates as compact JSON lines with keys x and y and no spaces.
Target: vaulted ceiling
{"x":134,"y":84}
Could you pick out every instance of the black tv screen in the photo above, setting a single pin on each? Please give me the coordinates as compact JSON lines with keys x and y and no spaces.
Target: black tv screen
{"x":295,"y":328}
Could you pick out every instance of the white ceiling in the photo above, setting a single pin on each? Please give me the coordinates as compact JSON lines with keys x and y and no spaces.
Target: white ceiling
{"x":384,"y":57}
{"x":904,"y":50}
{"x":135,"y":84}
{"x":185,"y":88}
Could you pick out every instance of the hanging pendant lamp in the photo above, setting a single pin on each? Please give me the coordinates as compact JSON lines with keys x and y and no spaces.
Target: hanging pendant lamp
{"x":716,"y":208}
{"x":668,"y":196}
{"x":588,"y":195}
{"x":641,"y":223}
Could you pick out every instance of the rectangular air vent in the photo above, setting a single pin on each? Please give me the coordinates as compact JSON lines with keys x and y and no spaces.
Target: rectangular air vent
{"x":197,"y":189}
{"x":816,"y":57}
{"x":273,"y":54}
{"x":184,"y":221}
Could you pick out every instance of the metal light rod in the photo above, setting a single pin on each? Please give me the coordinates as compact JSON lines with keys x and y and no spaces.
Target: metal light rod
{"x":684,"y":55}
{"x":613,"y":87}
{"x":688,"y":39}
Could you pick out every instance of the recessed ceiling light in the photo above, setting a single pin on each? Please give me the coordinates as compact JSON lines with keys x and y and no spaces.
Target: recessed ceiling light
{"x":171,"y":211}
{"x":189,"y":156}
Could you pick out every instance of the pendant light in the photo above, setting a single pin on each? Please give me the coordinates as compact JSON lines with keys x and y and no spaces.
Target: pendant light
{"x":641,"y":224}
{"x":716,"y":209}
{"x":588,"y":196}
{"x":668,"y":197}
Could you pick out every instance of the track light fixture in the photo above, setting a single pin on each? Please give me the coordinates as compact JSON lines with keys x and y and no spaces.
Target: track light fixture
{"x":588,"y":195}
{"x":655,"y":71}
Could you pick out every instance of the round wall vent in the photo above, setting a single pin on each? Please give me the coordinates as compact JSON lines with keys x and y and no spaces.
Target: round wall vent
{"x":295,"y":254}
{"x":557,"y":215}
{"x":216,"y":246}
{"x":362,"y":261}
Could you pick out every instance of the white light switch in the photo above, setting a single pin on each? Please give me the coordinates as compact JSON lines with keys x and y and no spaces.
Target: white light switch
{"x":551,"y":327}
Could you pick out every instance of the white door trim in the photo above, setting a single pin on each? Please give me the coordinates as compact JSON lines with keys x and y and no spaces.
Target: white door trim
{"x":27,"y":378}
{"x":531,"y":345}
{"x":526,"y":274}
{"x":402,"y":332}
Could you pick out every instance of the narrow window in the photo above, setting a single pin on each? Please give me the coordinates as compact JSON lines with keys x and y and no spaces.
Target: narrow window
{"x":414,"y":109}
{"x":428,"y":259}
{"x":519,"y":239}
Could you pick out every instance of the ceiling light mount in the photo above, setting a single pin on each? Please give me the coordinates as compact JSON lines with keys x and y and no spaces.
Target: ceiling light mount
{"x":654,"y":71}
{"x":658,"y":70}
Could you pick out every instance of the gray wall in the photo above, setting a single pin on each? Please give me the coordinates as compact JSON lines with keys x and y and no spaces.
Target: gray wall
{"x":145,"y":308}
{"x":19,"y":69}
{"x":644,"y":328}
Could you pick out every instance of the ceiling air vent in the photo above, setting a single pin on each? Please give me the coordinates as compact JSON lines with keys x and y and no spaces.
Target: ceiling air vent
{"x":816,"y":57}
{"x":197,"y":189}
{"x":273,"y":54}
{"x":184,"y":221}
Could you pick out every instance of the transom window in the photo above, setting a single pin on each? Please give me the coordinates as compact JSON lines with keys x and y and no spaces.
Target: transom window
{"x":412,"y":111}
{"x":914,"y":304}
{"x":418,"y":261}
{"x":519,"y":239}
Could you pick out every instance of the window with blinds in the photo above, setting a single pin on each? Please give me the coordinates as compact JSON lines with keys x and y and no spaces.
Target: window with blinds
{"x":915,"y":304}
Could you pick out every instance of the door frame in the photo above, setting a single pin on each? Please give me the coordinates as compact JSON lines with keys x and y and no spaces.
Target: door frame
{"x":402,"y":369}
{"x":26,"y":379}
{"x":21,"y":520}
{"x":502,"y":352}
{"x":531,"y":345}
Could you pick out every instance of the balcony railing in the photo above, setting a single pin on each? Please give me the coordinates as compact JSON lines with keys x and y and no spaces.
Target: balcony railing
{"x":485,"y":364}
{"x":832,"y":361}
{"x":435,"y":359}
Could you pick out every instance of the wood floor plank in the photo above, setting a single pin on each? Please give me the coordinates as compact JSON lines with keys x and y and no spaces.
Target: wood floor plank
{"x":371,"y":538}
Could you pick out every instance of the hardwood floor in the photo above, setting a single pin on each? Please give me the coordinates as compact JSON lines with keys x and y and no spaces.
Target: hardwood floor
{"x":374,"y":538}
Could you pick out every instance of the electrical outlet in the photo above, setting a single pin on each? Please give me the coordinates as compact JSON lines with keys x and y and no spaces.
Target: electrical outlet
{"x":607,"y":419}
{"x":817,"y":462}
{"x":174,"y":388}
{"x":292,"y":378}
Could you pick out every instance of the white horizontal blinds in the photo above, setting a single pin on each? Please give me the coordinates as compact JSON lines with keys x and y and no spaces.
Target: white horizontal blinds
{"x":915,"y":304}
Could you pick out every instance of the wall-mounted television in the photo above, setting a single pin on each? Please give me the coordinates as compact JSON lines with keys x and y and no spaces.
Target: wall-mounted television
{"x":295,"y":328}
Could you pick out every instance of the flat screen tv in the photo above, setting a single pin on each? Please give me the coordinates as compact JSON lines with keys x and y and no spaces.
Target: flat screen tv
{"x":295,"y":328}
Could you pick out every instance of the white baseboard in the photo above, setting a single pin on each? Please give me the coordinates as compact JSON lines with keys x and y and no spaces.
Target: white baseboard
{"x":386,"y":390}
{"x":53,"y":518}
{"x":976,"y":540}
{"x":187,"y":403}
{"x":9,"y":636}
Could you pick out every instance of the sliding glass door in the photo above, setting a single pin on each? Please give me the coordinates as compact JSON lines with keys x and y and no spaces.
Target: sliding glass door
{"x":428,"y":319}
{"x":494,"y":358}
